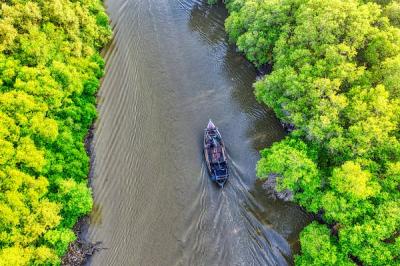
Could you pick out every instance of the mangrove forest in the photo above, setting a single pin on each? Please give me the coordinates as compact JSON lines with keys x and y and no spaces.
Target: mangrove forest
{"x":49,"y":73}
{"x":336,"y":79}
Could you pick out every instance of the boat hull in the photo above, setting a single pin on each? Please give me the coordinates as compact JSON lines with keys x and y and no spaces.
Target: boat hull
{"x":215,"y":155}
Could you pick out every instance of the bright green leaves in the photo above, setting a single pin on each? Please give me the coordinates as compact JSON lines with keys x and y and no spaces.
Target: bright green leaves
{"x":16,"y":19}
{"x":41,"y":255}
{"x":7,"y":152}
{"x":44,"y":127}
{"x":289,"y":161}
{"x":352,"y":181}
{"x":15,"y":256}
{"x":320,"y":24}
{"x":246,"y":27}
{"x":374,"y":241}
{"x":7,"y":35}
{"x":350,"y":187}
{"x":320,"y":248}
{"x":37,"y":81}
{"x":391,"y":180}
{"x":28,"y":155}
{"x":49,"y":73}
{"x":326,"y":123}
{"x":296,"y":170}
{"x":34,"y":48}
{"x":390,"y":75}
{"x":392,"y":11}
{"x":59,"y":239}
{"x":372,"y":117}
{"x":24,"y":214}
{"x":76,"y":199}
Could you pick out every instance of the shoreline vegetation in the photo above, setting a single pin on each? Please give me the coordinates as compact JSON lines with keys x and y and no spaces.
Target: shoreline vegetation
{"x":50,"y":69}
{"x":80,"y":250}
{"x":336,"y":78}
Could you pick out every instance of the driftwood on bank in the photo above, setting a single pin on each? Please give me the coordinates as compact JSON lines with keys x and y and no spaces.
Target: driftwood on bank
{"x":81,"y":249}
{"x":271,"y":191}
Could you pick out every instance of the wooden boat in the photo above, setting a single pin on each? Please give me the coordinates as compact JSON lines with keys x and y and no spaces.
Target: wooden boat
{"x":215,"y":155}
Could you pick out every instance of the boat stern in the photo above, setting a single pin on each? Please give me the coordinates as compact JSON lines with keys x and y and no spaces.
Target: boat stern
{"x":221,"y":180}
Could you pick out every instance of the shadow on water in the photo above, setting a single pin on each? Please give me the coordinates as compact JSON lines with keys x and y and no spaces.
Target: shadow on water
{"x":208,"y":20}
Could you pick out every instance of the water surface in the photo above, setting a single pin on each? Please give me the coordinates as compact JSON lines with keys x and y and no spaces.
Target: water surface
{"x":169,"y":69}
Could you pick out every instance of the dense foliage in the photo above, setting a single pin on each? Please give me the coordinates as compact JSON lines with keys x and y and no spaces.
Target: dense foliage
{"x":336,"y":77}
{"x":49,"y":71}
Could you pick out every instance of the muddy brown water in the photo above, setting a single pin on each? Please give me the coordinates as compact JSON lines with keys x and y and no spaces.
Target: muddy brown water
{"x":169,"y":69}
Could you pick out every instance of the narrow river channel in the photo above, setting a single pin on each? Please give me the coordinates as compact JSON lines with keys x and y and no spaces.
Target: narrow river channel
{"x":169,"y":69}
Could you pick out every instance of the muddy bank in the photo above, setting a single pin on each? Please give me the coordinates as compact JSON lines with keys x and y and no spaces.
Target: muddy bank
{"x":81,"y":249}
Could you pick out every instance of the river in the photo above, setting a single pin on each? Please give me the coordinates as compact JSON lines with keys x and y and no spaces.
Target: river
{"x":169,"y":69}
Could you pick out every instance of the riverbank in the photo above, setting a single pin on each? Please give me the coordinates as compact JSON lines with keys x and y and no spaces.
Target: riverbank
{"x":49,"y":69}
{"x":80,"y":250}
{"x":334,"y":76}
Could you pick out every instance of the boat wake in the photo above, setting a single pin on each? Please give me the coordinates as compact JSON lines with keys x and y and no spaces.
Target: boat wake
{"x":222,"y":229}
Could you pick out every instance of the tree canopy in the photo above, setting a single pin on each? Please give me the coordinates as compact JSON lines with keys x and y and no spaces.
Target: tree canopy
{"x":49,"y":72}
{"x":336,"y":76}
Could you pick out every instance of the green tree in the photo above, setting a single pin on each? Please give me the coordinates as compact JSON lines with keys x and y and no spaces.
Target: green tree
{"x":49,"y":73}
{"x":335,"y":77}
